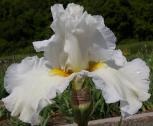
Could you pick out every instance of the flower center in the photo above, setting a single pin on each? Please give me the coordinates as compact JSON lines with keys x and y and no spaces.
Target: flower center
{"x":65,"y":73}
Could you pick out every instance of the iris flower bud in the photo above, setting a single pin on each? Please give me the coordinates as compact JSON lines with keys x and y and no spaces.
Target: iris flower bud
{"x":81,"y":100}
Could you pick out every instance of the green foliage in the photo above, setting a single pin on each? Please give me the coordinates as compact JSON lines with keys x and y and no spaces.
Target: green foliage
{"x":62,"y":103}
{"x":25,"y":21}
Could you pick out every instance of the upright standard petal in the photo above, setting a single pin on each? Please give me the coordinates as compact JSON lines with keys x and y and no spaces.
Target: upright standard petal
{"x":54,"y":53}
{"x":76,"y":60}
{"x":129,"y":85}
{"x":57,"y":10}
{"x":78,"y":33}
{"x":31,"y":88}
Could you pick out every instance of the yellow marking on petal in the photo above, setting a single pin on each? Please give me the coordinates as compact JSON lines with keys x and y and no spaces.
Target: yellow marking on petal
{"x":59,"y":72}
{"x":94,"y":66}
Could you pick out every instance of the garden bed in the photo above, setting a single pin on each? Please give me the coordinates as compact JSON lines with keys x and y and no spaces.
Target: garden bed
{"x":143,"y":119}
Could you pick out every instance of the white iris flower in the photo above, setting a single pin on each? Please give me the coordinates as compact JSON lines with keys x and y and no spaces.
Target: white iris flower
{"x":82,"y":45}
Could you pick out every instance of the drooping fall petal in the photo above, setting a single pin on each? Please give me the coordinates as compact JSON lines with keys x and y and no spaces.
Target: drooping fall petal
{"x":129,"y":85}
{"x":31,"y":88}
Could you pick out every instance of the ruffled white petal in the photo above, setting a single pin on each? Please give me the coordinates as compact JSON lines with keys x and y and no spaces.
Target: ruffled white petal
{"x":41,"y":45}
{"x":114,"y":58}
{"x":109,"y":84}
{"x":129,"y":85}
{"x":97,"y":54}
{"x":54,"y":53}
{"x":59,"y":19}
{"x":101,"y":35}
{"x":78,"y":33}
{"x":74,"y":10}
{"x":138,"y":72}
{"x":118,"y":58}
{"x":57,"y":10}
{"x":31,"y":88}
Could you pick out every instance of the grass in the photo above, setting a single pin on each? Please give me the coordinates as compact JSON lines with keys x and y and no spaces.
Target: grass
{"x":61,"y":111}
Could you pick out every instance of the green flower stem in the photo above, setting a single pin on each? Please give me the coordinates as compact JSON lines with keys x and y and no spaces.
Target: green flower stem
{"x":120,"y":122}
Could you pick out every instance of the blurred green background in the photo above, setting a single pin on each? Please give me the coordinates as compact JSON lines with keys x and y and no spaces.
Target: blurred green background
{"x":25,"y":21}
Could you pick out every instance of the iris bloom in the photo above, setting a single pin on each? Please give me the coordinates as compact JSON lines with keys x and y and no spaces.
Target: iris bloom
{"x":82,"y":45}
